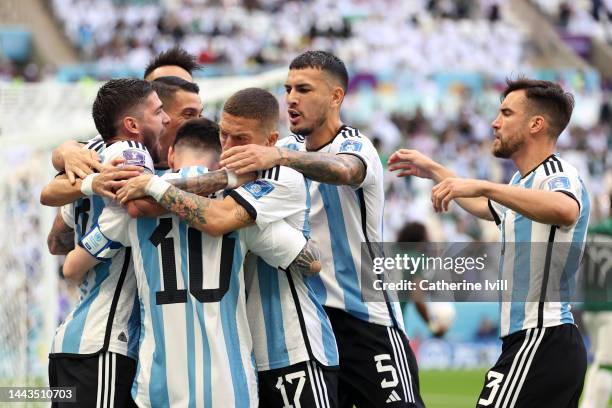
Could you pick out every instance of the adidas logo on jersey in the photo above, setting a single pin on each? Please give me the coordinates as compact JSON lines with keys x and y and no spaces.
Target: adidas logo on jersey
{"x":394,"y":397}
{"x":122,"y":337}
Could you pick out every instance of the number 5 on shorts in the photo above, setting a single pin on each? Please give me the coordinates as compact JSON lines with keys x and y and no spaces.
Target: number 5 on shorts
{"x":385,"y":383}
{"x":495,"y":379}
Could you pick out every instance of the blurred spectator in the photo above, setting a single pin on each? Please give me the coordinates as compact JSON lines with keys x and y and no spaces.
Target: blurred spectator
{"x":373,"y":36}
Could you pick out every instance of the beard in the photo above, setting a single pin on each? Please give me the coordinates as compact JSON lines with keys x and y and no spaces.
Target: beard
{"x":505,"y":148}
{"x":306,"y":130}
{"x":151,"y":142}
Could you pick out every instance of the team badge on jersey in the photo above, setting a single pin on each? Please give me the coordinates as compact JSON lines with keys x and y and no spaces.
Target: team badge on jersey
{"x":559,"y":183}
{"x":259,"y":188}
{"x":350,"y":146}
{"x":134,"y":158}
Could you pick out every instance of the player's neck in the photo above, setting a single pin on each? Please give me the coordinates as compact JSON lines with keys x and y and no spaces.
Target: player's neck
{"x":120,"y":137}
{"x":529,"y":159}
{"x":324,"y":134}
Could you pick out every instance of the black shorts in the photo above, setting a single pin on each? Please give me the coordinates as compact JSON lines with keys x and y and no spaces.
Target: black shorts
{"x":306,"y":384}
{"x":98,"y":379}
{"x":541,"y":367}
{"x":377,"y":365}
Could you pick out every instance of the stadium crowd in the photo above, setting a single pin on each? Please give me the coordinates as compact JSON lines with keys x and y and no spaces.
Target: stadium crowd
{"x":590,"y":18}
{"x":375,"y":36}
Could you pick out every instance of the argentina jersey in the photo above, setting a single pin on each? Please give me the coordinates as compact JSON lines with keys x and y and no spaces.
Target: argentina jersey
{"x":195,"y":345}
{"x":539,"y":259}
{"x":341,"y":219}
{"x":288,"y":323}
{"x":107,"y":316}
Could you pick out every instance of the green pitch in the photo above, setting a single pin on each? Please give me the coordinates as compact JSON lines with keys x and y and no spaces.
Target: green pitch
{"x":456,"y":389}
{"x":445,"y":388}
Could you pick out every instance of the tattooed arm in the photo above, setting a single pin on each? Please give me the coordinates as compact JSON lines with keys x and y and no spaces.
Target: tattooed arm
{"x":340,"y":169}
{"x":215,"y":217}
{"x":308,"y":261}
{"x":204,"y":185}
{"x":61,"y":237}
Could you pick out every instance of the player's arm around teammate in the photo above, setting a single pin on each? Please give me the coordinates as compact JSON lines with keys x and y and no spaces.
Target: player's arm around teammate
{"x":323,"y":167}
{"x":549,"y":207}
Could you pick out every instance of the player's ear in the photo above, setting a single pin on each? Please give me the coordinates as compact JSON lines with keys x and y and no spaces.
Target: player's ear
{"x":337,"y":96}
{"x":537,"y":124}
{"x":130,"y":124}
{"x":171,"y":157}
{"x":272,"y":138}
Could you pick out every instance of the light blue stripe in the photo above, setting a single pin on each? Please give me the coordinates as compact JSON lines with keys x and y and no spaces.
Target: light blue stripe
{"x":142,"y":337}
{"x":272,"y":308}
{"x":522,"y":266}
{"x":327,"y":334}
{"x":189,"y":329}
{"x":206,"y":359}
{"x":572,"y":263}
{"x":306,"y":227}
{"x":344,"y":266}
{"x":74,"y":329}
{"x":134,"y":329}
{"x":158,"y":386}
{"x":230,"y":329}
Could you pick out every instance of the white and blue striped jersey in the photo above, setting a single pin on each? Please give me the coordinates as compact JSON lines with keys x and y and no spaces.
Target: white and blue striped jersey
{"x":288,"y":323}
{"x":195,"y":344}
{"x":107,"y":316}
{"x":533,"y":271}
{"x":341,"y":219}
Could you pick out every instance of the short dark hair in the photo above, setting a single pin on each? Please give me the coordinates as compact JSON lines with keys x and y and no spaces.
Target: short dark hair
{"x":546,"y":98}
{"x":167,"y":86}
{"x":324,"y":61}
{"x":174,"y":56}
{"x":254,"y":103}
{"x":200,"y":133}
{"x":115,"y":99}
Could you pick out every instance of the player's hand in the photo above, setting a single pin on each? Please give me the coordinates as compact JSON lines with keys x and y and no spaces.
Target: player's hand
{"x":79,"y":162}
{"x":412,"y":163}
{"x":134,"y":188}
{"x":451,"y":188}
{"x":113,"y":176}
{"x":242,"y":159}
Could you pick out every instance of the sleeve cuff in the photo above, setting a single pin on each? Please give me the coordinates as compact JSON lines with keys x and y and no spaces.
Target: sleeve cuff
{"x":244,"y":203}
{"x":494,"y":213}
{"x":365,"y":165}
{"x":571,"y":195}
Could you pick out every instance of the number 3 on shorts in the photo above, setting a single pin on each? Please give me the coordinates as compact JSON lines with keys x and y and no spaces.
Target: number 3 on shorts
{"x":494,"y":379}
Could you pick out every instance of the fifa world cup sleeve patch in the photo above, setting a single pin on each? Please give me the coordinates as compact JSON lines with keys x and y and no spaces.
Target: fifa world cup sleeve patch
{"x":259,"y":188}
{"x":134,"y":157}
{"x":559,"y":183}
{"x":351,"y":146}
